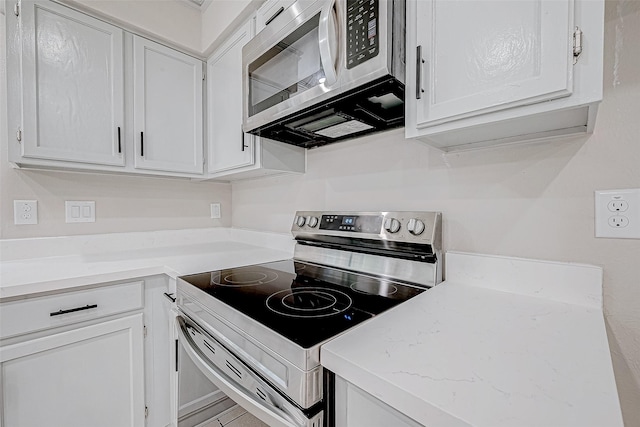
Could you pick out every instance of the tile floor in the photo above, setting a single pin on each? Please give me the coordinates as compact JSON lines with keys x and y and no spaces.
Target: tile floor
{"x":234,"y":417}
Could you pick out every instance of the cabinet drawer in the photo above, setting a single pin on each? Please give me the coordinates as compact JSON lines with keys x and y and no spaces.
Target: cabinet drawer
{"x":30,"y":315}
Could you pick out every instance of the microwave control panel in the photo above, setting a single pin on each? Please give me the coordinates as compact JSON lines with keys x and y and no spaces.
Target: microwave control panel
{"x":362,"y":31}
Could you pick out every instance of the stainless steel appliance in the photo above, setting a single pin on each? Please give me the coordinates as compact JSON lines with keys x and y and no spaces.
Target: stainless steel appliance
{"x":256,"y":331}
{"x":326,"y":70}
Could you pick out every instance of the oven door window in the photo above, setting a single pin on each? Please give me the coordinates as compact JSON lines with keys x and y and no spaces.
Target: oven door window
{"x":289,"y":68}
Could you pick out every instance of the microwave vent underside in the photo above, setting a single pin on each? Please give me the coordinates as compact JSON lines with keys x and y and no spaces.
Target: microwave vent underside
{"x":376,"y":107}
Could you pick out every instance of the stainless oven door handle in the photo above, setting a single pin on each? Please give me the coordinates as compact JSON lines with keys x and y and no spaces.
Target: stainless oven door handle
{"x":266,"y":409}
{"x":327,"y":39}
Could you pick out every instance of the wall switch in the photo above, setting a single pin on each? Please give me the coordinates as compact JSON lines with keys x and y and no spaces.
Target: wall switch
{"x":80,"y":211}
{"x":25,"y":212}
{"x":618,"y":213}
{"x":215,"y":210}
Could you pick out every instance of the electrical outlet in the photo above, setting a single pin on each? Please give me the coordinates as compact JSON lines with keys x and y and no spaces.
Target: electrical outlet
{"x":80,"y":211}
{"x":215,"y":210}
{"x":25,"y":212}
{"x":618,"y":213}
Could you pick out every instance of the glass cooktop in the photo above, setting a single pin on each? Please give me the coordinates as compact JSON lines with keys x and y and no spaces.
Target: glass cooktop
{"x":305,"y":303}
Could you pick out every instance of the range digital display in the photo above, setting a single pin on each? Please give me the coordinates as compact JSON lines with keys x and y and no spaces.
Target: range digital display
{"x":348,"y":220}
{"x":352,"y":223}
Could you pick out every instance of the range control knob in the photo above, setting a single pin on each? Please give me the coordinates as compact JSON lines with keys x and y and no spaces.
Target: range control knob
{"x":300,"y":220}
{"x":312,"y":221}
{"x":392,"y":225}
{"x":415,"y":226}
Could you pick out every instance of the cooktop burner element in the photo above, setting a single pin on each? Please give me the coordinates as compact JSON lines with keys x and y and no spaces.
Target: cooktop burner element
{"x":244,"y":278}
{"x":309,"y":302}
{"x":380,"y":288}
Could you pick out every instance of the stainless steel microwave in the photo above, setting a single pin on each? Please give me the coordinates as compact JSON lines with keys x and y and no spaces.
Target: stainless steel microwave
{"x":326,"y":70}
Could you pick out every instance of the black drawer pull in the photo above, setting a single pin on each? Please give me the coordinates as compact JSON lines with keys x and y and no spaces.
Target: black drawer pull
{"x":170,"y":296}
{"x":142,"y":144}
{"x":73,"y":310}
{"x":119,"y":141}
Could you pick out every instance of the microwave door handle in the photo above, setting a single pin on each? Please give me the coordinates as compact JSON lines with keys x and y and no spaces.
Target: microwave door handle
{"x":327,"y":40}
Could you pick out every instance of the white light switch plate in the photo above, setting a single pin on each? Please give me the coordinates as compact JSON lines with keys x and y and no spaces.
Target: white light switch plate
{"x":80,"y":211}
{"x":25,"y":212}
{"x":618,"y":213}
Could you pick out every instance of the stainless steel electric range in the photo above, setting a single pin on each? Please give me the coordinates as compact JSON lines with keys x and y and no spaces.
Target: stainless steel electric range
{"x":256,"y":331}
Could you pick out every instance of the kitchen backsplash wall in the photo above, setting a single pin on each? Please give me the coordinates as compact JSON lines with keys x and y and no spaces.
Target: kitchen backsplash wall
{"x":533,"y":201}
{"x":122,"y":203}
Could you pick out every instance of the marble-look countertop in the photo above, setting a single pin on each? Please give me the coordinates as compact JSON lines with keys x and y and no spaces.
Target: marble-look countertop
{"x":502,"y":342}
{"x":31,"y":267}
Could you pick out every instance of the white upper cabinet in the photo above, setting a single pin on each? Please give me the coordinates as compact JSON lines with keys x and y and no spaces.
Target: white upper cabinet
{"x":229,"y":147}
{"x":88,"y":96}
{"x":487,"y":72}
{"x":167,"y":103}
{"x":232,"y":153}
{"x":269,"y":11}
{"x":72,"y":86}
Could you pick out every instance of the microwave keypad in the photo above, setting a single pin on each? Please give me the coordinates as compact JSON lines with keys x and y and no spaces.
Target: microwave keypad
{"x":362,"y":31}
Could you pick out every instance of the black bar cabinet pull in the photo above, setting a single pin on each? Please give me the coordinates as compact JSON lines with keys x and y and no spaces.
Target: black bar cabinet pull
{"x":242,"y":139}
{"x":176,"y":355}
{"x":419,"y":63}
{"x":275,"y":15}
{"x":73,"y":310}
{"x":170,"y":296}
{"x":119,"y":141}
{"x":142,"y":144}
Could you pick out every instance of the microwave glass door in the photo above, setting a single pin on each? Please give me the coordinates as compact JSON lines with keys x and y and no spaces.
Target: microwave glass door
{"x":289,"y":68}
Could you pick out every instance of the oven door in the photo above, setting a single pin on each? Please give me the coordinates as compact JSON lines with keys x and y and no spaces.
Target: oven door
{"x":238,"y":381}
{"x":291,"y":63}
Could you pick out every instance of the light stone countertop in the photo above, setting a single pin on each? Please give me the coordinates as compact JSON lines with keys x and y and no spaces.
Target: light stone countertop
{"x":502,"y":342}
{"x":485,"y":349}
{"x":31,"y":267}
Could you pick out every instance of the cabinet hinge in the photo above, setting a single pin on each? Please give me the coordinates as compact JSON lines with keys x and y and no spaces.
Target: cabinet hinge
{"x":204,"y":71}
{"x":146,"y":412}
{"x":577,"y":44}
{"x":19,"y":135}
{"x":144,"y":331}
{"x":16,"y":9}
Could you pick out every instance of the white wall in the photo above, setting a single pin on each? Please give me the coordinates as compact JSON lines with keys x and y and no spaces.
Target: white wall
{"x":532,"y":201}
{"x":122,"y":203}
{"x":172,"y":21}
{"x":220,"y":18}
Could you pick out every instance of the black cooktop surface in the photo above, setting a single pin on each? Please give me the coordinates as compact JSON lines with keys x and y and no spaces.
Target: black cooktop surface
{"x":305,"y":303}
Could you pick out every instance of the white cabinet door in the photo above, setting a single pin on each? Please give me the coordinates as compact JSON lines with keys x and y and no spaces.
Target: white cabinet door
{"x":229,"y":147}
{"x":490,"y":55}
{"x":269,"y":11}
{"x":355,"y":407}
{"x":167,"y":109}
{"x":72,"y":82}
{"x":91,"y":376}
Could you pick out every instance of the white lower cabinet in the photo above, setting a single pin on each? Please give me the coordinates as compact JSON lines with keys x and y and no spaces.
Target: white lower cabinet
{"x":89,"y":376}
{"x":158,"y":349}
{"x":97,"y":357}
{"x":355,"y":407}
